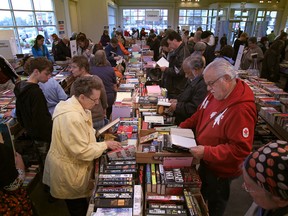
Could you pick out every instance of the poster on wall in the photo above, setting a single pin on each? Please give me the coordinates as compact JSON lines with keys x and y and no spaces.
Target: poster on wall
{"x":152,"y":15}
{"x":73,"y":48}
{"x":61,"y":27}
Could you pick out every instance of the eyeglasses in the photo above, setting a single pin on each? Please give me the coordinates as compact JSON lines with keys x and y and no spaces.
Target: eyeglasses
{"x":244,"y":186}
{"x":211,"y":83}
{"x":94,"y":100}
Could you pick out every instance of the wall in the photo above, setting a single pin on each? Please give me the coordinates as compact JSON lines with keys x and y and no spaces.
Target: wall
{"x":60,"y":15}
{"x":94,"y":16}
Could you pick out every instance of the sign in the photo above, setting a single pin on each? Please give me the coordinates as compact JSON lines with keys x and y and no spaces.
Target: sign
{"x":239,"y":57}
{"x":73,"y":47}
{"x":153,"y":15}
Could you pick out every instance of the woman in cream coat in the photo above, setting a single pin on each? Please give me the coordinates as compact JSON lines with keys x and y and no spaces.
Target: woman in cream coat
{"x":73,"y":147}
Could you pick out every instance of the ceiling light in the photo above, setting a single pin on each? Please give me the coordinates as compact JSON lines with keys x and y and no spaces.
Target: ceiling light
{"x":261,"y":1}
{"x":269,"y":1}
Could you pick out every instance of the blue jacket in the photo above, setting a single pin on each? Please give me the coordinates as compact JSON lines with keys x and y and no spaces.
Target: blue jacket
{"x":113,"y":52}
{"x":41,"y":53}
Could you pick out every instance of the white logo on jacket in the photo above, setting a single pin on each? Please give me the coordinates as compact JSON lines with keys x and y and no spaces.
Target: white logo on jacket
{"x":204,"y":103}
{"x":218,"y":118}
{"x":212,"y":114}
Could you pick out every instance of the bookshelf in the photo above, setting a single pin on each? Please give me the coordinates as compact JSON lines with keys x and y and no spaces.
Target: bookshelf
{"x":276,"y":129}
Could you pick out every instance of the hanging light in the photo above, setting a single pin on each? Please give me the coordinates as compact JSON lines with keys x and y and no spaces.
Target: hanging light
{"x":277,"y":1}
{"x":269,"y":1}
{"x":261,"y":1}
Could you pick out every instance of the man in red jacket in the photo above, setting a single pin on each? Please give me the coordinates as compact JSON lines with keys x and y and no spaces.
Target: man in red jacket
{"x":224,"y":127}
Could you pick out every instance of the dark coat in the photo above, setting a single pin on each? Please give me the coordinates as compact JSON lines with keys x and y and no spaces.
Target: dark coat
{"x":188,"y":101}
{"x":175,"y":82}
{"x":32,"y":111}
{"x":209,"y":54}
{"x":60,"y":51}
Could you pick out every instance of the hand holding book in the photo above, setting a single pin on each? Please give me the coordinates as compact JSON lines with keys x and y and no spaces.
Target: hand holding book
{"x":113,"y":145}
{"x":197,"y":151}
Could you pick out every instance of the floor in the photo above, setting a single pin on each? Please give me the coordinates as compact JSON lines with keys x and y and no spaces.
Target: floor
{"x":238,"y":204}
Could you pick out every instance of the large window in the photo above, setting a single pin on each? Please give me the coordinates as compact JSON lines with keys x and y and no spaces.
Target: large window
{"x":156,"y":19}
{"x":286,"y":27}
{"x":267,"y":16}
{"x":193,"y":19}
{"x":111,"y":18}
{"x":28,"y":18}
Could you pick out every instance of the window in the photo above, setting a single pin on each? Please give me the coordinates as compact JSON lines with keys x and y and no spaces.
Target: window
{"x":266,"y":16}
{"x":156,"y":19}
{"x":28,"y":19}
{"x":111,"y":18}
{"x":194,"y":19}
{"x":286,"y":27}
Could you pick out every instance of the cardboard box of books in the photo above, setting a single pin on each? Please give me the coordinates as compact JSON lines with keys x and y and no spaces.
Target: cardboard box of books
{"x":195,"y":203}
{"x":150,"y":147}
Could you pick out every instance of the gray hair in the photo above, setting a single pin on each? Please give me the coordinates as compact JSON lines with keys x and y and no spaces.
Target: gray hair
{"x":200,"y":47}
{"x":221,"y":67}
{"x":194,"y":62}
{"x":99,"y":59}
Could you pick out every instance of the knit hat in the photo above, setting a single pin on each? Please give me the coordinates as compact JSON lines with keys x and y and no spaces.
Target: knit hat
{"x":206,"y":34}
{"x":268,"y":167}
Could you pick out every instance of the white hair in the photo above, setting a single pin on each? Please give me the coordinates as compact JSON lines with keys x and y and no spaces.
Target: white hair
{"x":221,"y":67}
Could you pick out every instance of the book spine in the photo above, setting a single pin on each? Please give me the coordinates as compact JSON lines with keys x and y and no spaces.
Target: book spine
{"x":137,"y":201}
{"x":158,"y":179}
{"x":162,"y":176}
{"x":153,"y":178}
{"x":148,"y":178}
{"x":189,"y":203}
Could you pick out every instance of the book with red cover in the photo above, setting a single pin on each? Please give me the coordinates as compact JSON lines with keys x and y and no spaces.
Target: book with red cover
{"x":127,"y":129}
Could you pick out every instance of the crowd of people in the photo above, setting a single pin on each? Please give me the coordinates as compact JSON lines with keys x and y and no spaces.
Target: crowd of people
{"x":205,"y":95}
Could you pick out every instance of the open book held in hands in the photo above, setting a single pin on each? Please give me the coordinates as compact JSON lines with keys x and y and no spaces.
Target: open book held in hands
{"x":106,"y":127}
{"x":163,"y":62}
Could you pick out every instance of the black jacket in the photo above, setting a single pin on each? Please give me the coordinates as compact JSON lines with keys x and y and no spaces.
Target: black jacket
{"x":172,"y":81}
{"x":8,"y":170}
{"x":32,"y":112}
{"x":188,"y":101}
{"x":61,"y":51}
{"x":209,"y":53}
{"x":7,"y":69}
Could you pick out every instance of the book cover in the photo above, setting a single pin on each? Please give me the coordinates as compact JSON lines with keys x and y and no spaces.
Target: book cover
{"x":153,"y":90}
{"x":148,"y":137}
{"x":113,"y":211}
{"x":107,"y":126}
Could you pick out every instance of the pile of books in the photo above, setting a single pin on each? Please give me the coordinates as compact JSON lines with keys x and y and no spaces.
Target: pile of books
{"x":115,"y":187}
{"x":171,"y":181}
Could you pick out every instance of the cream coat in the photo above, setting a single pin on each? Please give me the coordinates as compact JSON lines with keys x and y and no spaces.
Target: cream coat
{"x":73,"y":147}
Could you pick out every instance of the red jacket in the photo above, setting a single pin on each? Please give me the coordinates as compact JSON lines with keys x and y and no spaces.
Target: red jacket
{"x":226,"y":129}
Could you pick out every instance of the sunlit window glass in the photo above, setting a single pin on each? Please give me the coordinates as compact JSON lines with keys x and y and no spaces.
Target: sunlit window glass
{"x":24,"y":18}
{"x":4,"y":5}
{"x":43,"y":5}
{"x":45,"y":18}
{"x":21,"y":5}
{"x":5,"y":18}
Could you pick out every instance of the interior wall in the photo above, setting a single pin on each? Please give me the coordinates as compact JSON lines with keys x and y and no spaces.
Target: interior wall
{"x":60,"y":15}
{"x":94,"y":16}
{"x":73,"y":16}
